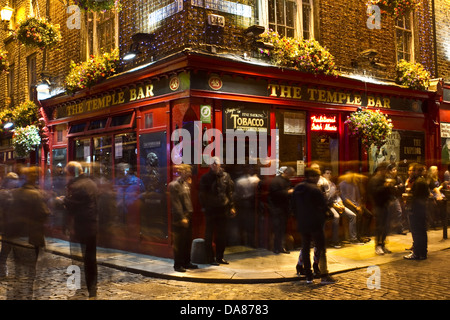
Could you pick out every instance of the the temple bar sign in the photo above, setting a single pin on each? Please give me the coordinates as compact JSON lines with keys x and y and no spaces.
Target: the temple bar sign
{"x":132,"y":93}
{"x":353,"y":98}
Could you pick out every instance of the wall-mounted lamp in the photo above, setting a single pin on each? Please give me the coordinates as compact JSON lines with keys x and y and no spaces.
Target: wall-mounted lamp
{"x":43,"y":85}
{"x":139,"y":39}
{"x":6,"y":13}
{"x":8,"y":125}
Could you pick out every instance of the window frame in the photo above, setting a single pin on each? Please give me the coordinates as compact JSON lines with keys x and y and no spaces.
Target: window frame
{"x":263,"y":17}
{"x":404,"y":30}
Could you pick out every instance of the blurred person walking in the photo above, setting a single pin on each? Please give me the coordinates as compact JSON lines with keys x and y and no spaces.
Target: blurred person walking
{"x":81,"y":204}
{"x":310,"y":206}
{"x":10,"y":182}
{"x":381,"y":192}
{"x":419,"y":194}
{"x":216,"y":198}
{"x":181,"y":206}
{"x":279,"y":203}
{"x":24,"y":231}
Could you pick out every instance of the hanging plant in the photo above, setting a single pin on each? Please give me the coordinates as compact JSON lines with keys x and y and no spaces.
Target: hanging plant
{"x":396,"y":8}
{"x":88,"y":73}
{"x":412,"y":75}
{"x":25,"y":140}
{"x":26,"y":113}
{"x":303,"y":55}
{"x":98,"y":5}
{"x":38,"y":33}
{"x":3,"y":61}
{"x":371,"y":126}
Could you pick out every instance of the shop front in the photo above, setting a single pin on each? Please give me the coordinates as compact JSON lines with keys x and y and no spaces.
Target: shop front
{"x":127,"y":132}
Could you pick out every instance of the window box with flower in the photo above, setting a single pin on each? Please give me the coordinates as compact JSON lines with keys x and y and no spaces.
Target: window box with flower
{"x":97,"y":6}
{"x":372,"y":127}
{"x":303,"y":55}
{"x":88,"y":73}
{"x":396,"y":8}
{"x":412,"y":75}
{"x":38,"y":33}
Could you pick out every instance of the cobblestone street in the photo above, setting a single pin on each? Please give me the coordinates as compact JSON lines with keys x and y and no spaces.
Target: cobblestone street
{"x":398,"y":280}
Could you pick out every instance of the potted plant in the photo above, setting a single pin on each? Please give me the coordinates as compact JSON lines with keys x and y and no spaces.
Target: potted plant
{"x":303,"y":55}
{"x":88,"y":73}
{"x":25,"y":140}
{"x":396,"y":8}
{"x":96,"y":5}
{"x":412,"y":75}
{"x":3,"y":61}
{"x":38,"y":33}
{"x":371,"y":126}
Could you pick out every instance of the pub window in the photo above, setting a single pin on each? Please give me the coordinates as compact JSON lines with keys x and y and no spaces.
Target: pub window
{"x":325,"y":140}
{"x":59,"y":135}
{"x":98,"y":124}
{"x":77,"y":128}
{"x":404,"y":37}
{"x":291,"y":150}
{"x":101,"y":32}
{"x":290,"y":18}
{"x":122,"y":120}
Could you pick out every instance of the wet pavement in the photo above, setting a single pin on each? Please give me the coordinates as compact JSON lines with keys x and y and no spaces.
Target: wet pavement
{"x":249,"y":265}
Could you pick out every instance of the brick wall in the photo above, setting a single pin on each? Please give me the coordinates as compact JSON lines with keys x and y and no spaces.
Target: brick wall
{"x":340,"y":25}
{"x":443,"y":38}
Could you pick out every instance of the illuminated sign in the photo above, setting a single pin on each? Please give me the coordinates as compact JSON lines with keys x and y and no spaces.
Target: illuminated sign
{"x":323,"y":123}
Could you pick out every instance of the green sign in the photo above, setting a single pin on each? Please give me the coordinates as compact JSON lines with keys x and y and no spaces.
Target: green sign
{"x":205,"y":114}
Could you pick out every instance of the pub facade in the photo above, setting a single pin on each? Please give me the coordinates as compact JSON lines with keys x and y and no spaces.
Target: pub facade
{"x":127,"y":131}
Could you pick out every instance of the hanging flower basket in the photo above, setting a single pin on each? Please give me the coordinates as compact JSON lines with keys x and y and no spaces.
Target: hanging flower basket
{"x":26,"y":140}
{"x":3,"y":61}
{"x":38,"y":33}
{"x":88,"y":73}
{"x":412,"y":75}
{"x":396,"y":8}
{"x":26,"y":113}
{"x":97,"y":5}
{"x":371,"y":126}
{"x":303,"y":55}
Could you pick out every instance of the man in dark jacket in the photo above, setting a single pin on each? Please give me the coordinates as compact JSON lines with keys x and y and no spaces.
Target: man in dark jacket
{"x":310,"y":207}
{"x":279,"y":200}
{"x":216,"y":197}
{"x":181,"y":207}
{"x":420,"y":193}
{"x":81,"y":205}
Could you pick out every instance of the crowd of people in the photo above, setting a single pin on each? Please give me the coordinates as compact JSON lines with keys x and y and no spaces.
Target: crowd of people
{"x":387,"y":200}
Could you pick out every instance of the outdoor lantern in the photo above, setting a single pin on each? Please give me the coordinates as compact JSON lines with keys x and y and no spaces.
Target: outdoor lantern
{"x":6,"y":13}
{"x":43,"y":86}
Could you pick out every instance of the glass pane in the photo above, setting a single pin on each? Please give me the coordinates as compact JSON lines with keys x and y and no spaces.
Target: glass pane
{"x":83,"y":150}
{"x":292,"y":139}
{"x":280,"y":11}
{"x":102,"y":158}
{"x":77,"y":128}
{"x":97,"y":124}
{"x":127,"y":185}
{"x":290,"y":33}
{"x":121,"y":120}
{"x":272,"y":13}
{"x":407,"y":23}
{"x":290,"y":14}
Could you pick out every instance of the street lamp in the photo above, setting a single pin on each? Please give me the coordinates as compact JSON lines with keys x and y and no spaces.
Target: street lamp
{"x":6,"y":13}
